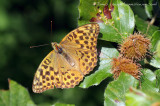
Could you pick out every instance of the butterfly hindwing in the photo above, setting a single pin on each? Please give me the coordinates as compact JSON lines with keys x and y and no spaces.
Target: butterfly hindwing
{"x":70,"y":76}
{"x":54,"y":71}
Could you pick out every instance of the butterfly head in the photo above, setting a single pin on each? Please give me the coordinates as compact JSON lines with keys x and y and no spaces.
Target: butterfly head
{"x":57,"y":47}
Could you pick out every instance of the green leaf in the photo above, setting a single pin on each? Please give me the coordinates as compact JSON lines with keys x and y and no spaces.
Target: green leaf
{"x":148,"y":81}
{"x":15,"y":96}
{"x":62,"y":104}
{"x":120,"y":25}
{"x":155,"y":61}
{"x":155,"y":41}
{"x":142,"y":26}
{"x":148,"y":8}
{"x":104,"y":70}
{"x":116,"y":90}
{"x":139,"y":98}
{"x":158,"y":50}
{"x":157,"y":73}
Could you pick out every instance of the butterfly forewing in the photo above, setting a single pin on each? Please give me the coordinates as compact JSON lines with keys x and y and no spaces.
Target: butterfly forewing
{"x":44,"y":76}
{"x":67,"y":69}
{"x":82,"y":43}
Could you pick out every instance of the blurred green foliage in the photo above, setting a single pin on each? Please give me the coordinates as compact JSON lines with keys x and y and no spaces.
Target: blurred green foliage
{"x":24,"y":23}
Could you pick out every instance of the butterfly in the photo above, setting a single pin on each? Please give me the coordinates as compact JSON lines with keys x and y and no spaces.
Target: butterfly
{"x":69,"y":61}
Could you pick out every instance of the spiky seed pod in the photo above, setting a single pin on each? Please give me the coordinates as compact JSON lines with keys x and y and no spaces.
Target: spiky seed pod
{"x":135,"y":47}
{"x":122,"y":64}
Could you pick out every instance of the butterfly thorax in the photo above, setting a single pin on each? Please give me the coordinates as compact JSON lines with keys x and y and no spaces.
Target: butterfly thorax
{"x":58,"y":49}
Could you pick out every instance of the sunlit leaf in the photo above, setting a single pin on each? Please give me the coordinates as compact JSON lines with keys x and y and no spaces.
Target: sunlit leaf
{"x":148,"y":81}
{"x":155,"y":41}
{"x":157,"y":73}
{"x":148,"y":8}
{"x":139,"y":98}
{"x":115,"y":92}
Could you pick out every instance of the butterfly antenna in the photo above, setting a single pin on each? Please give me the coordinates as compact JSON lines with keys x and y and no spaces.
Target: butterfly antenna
{"x":38,"y":45}
{"x":51,"y":29}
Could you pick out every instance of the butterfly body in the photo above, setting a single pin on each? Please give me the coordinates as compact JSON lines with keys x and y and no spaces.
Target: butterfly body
{"x":68,"y":62}
{"x":61,"y":51}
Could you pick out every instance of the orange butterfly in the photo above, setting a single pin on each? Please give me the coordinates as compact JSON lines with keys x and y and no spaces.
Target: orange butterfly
{"x":68,"y":62}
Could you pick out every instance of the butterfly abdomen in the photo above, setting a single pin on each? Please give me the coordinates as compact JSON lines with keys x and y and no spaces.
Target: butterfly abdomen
{"x":69,"y":59}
